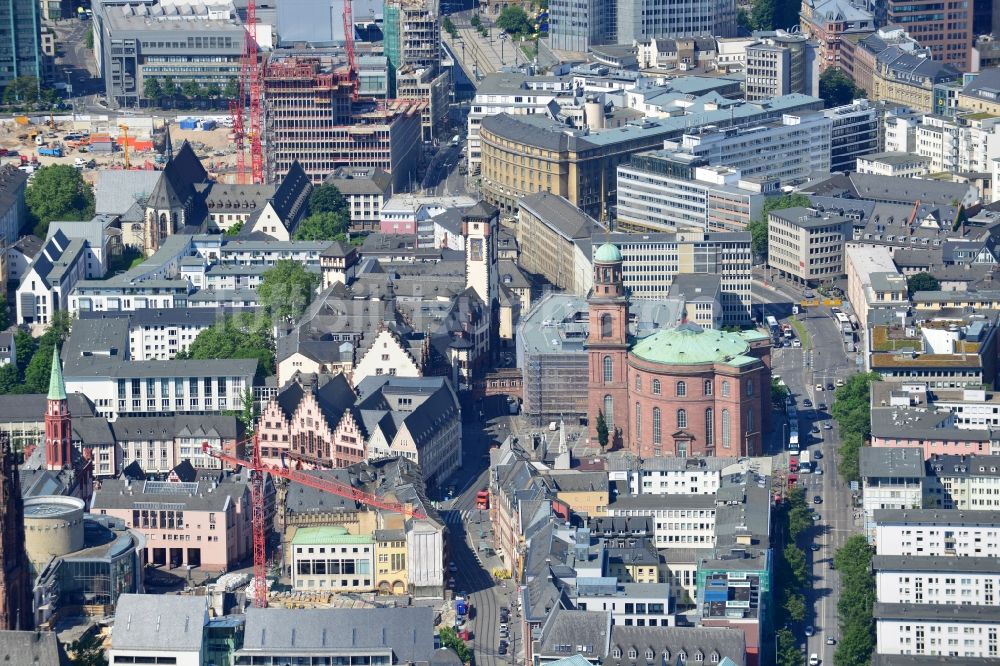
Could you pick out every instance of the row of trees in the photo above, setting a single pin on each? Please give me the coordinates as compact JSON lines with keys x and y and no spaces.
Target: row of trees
{"x":791,"y":569}
{"x":34,"y":358}
{"x":857,"y":599}
{"x":26,"y":92}
{"x":58,"y":192}
{"x":852,"y":411}
{"x":758,"y":226}
{"x":155,"y":89}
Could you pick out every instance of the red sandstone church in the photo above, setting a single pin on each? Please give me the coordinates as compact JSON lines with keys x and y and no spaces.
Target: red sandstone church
{"x":685,"y":391}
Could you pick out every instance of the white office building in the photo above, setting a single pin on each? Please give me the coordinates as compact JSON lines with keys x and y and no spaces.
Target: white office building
{"x":668,"y":476}
{"x":789,"y":150}
{"x":674,"y":191}
{"x":937,"y":630}
{"x":922,"y":580}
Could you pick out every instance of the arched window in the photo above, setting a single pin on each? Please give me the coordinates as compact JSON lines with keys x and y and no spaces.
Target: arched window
{"x":638,"y":382}
{"x":682,"y":418}
{"x":605,"y":325}
{"x":709,"y":427}
{"x":609,"y":369}
{"x":708,"y":387}
{"x":725,"y":389}
{"x":656,"y":425}
{"x":725,"y":428}
{"x":656,"y":387}
{"x":638,"y":422}
{"x":609,"y":412}
{"x":682,"y":389}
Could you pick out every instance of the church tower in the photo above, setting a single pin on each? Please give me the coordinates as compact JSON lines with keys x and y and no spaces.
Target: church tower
{"x":15,"y":577}
{"x":58,"y":425}
{"x":607,"y":347}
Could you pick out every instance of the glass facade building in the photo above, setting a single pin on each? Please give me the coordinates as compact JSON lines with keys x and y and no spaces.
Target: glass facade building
{"x":20,"y":40}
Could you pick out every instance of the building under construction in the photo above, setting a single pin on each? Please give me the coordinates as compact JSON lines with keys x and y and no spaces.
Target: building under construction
{"x":312,"y":118}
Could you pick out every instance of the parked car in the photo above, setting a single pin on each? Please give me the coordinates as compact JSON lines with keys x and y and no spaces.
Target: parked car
{"x":818,"y":455}
{"x":816,"y":518}
{"x":830,"y":640}
{"x":815,"y":547}
{"x":807,"y":403}
{"x":814,"y":659}
{"x":827,"y":426}
{"x":810,"y":631}
{"x":817,"y":499}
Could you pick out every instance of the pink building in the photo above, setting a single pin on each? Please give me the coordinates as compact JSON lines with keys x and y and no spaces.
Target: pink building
{"x":312,"y":423}
{"x":931,"y":431}
{"x":197,"y":518}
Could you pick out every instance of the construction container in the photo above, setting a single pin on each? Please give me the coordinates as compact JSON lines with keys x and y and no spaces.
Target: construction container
{"x":209,"y":125}
{"x":188,"y":124}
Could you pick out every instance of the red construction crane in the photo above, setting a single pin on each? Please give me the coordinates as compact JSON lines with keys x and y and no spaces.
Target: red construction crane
{"x":250,"y":88}
{"x":258,"y":523}
{"x":352,"y":69}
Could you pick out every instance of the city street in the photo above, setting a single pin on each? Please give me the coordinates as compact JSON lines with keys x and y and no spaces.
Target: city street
{"x":479,"y":55}
{"x":824,"y":361}
{"x":443,"y":177}
{"x":468,"y":530}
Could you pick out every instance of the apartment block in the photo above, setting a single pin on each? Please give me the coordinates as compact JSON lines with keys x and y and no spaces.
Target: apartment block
{"x":920,"y":580}
{"x":652,"y":19}
{"x":891,"y":479}
{"x":651,"y":260}
{"x":676,"y":191}
{"x":897,"y":165}
{"x":937,"y":629}
{"x":807,"y":244}
{"x":937,"y":533}
{"x":313,"y":120}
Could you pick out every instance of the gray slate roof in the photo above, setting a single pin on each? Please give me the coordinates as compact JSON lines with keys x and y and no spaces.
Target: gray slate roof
{"x":146,"y":622}
{"x":937,"y":612}
{"x":892,"y":462}
{"x":127,"y":428}
{"x":117,"y":191}
{"x":30,"y":648}
{"x":719,"y":641}
{"x":407,"y":632}
{"x":560,"y":215}
{"x":990,"y":565}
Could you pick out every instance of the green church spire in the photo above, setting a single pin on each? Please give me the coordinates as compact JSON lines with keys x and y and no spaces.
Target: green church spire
{"x":57,"y":387}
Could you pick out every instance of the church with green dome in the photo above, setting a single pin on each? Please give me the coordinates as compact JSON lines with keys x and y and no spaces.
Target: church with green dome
{"x":685,"y":391}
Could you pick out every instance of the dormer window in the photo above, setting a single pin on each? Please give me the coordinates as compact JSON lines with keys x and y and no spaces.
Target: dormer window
{"x":617,"y":653}
{"x":649,"y":654}
{"x":632,"y":654}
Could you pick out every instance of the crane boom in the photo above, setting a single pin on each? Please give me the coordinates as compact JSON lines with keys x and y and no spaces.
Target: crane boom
{"x":258,"y":469}
{"x":352,"y":67}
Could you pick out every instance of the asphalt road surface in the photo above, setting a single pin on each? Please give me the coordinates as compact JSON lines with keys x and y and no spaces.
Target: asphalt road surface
{"x":802,"y":369}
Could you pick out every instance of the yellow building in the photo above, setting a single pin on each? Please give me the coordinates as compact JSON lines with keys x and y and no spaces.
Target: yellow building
{"x":909,"y":79}
{"x":586,"y":493}
{"x":979,"y":94}
{"x":390,"y":562}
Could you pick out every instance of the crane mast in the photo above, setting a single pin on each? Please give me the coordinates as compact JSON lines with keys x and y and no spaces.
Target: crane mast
{"x":258,"y":469}
{"x":247,"y":108}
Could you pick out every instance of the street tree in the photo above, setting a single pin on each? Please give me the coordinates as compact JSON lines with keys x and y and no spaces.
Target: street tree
{"x":22,"y":90}
{"x":151,"y":88}
{"x":327,"y":198}
{"x":788,"y":652}
{"x":58,"y":192}
{"x":796,"y":560}
{"x":323,"y":227}
{"x":758,"y":226}
{"x":795,"y":605}
{"x":602,"y":430}
{"x":837,"y":88}
{"x":450,"y":639}
{"x":286,"y":290}
{"x":239,"y":336}
{"x":922,"y":282}
{"x":514,"y":21}
{"x":87,"y":651}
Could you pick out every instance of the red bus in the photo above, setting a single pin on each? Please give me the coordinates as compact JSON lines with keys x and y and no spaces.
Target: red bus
{"x":483,"y":499}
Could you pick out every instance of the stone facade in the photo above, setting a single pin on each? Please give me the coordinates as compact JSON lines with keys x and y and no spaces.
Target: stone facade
{"x":679,"y":392}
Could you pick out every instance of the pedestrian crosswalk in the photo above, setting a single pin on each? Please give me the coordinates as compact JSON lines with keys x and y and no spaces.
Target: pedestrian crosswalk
{"x":465,"y":517}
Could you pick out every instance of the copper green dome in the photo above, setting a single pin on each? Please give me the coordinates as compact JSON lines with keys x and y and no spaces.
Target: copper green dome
{"x":692,"y":345}
{"x":608,"y":254}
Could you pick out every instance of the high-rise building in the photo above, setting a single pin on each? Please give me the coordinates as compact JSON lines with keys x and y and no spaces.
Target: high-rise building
{"x":21,"y":47}
{"x":854,"y":133}
{"x":311,"y":118}
{"x":412,"y":30}
{"x":640,"y":20}
{"x":943,"y":27}
{"x":15,"y":577}
{"x":780,"y":63}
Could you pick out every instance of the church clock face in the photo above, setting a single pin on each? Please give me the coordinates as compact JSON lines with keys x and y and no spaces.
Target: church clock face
{"x":476,"y":249}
